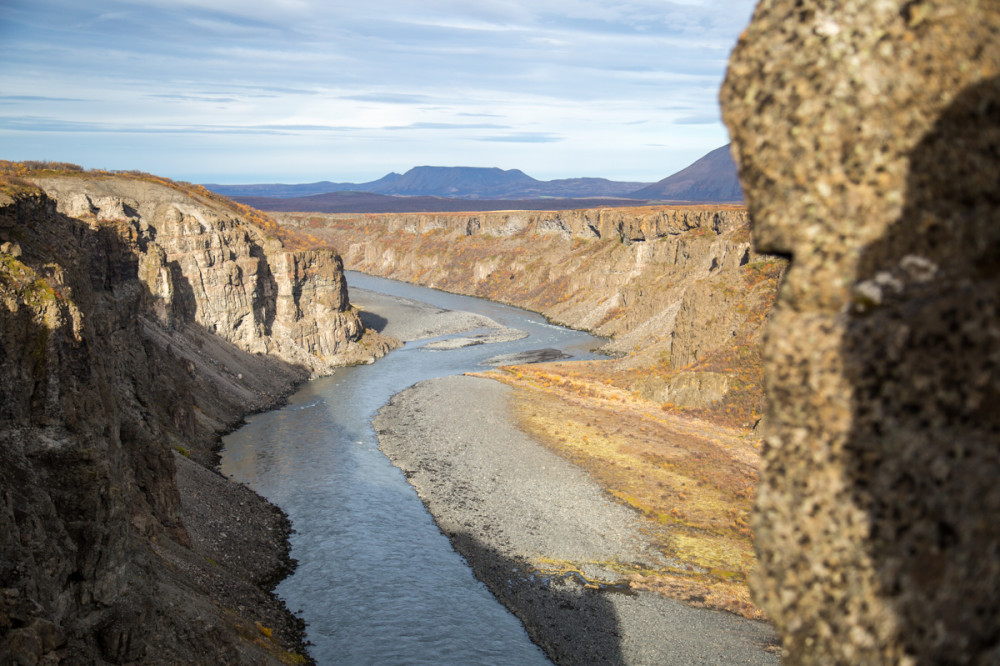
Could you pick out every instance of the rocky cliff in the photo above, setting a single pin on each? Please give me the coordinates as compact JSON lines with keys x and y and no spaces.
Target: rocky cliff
{"x":140,"y":320}
{"x":202,"y":263}
{"x":867,"y":136}
{"x":670,"y":286}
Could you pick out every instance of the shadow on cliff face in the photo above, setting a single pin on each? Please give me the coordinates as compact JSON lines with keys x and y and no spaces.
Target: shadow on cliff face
{"x":922,"y":352}
{"x":267,"y":288}
{"x":572,"y":624}
{"x":94,"y":394}
{"x":372,"y":321}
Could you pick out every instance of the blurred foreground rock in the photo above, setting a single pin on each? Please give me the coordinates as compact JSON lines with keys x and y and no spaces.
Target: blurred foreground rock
{"x":868,"y":139}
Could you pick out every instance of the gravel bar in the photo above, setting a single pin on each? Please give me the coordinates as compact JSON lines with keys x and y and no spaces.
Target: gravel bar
{"x":516,"y":512}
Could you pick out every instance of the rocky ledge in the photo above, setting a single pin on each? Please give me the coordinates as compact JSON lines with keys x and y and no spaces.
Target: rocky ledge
{"x":868,"y":139}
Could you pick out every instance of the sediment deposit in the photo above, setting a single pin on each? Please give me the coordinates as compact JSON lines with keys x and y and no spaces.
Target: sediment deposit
{"x":139,"y":320}
{"x":546,"y":538}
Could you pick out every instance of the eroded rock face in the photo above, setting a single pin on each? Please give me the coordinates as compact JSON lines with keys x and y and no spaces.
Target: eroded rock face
{"x":626,"y":224}
{"x":127,"y":331}
{"x":868,"y":139}
{"x":204,"y":264}
{"x":668,"y":281}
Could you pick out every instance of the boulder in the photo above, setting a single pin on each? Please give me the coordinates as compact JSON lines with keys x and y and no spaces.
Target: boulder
{"x":867,"y":134}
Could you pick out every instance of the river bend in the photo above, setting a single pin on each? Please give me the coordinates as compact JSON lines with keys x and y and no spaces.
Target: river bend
{"x":376,"y":581}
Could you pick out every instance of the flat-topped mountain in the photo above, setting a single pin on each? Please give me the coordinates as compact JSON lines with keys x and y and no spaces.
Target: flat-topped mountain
{"x":452,"y":182}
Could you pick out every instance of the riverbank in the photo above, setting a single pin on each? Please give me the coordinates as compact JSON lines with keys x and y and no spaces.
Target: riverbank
{"x":408,"y":320}
{"x":536,"y":528}
{"x":544,"y":537}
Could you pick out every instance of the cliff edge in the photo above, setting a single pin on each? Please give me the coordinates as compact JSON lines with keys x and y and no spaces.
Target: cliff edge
{"x":138,"y":321}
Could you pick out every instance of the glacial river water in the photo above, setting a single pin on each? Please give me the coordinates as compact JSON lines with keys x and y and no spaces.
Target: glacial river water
{"x":377,"y":582}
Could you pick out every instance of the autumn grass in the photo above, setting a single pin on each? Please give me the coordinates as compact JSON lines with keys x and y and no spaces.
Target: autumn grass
{"x":691,"y":481}
{"x":263,"y":637}
{"x":740,"y":360}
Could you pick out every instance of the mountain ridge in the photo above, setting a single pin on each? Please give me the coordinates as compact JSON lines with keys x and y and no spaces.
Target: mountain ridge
{"x":458,"y":182}
{"x":710,"y":179}
{"x":367,"y":202}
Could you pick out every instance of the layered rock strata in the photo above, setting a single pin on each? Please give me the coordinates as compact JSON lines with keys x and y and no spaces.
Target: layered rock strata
{"x":868,"y":140}
{"x":137,"y":323}
{"x":202,"y":263}
{"x":668,"y":283}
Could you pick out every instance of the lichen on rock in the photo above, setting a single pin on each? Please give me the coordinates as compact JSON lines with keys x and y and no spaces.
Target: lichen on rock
{"x":867,"y":135}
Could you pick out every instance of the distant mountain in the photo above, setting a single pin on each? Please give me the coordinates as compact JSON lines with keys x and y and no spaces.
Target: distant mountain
{"x":459,"y":182}
{"x":451,"y":182}
{"x":712,"y":178}
{"x":300,"y":190}
{"x":368,"y":202}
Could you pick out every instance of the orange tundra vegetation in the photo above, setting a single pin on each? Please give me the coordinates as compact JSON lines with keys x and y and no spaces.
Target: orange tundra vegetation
{"x":669,"y":425}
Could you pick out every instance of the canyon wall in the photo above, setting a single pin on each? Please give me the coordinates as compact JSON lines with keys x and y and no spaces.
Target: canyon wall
{"x":202,"y":263}
{"x":868,"y":140}
{"x":668,"y":285}
{"x":137,"y":322}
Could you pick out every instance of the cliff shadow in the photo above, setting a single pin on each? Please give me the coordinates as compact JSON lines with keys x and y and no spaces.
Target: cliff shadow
{"x":572,"y":624}
{"x":264,"y":295}
{"x":373,"y":321}
{"x":922,"y":353}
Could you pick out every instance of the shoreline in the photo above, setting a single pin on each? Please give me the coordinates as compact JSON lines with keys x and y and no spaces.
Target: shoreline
{"x":407,"y":320}
{"x":239,"y":552}
{"x":544,"y":537}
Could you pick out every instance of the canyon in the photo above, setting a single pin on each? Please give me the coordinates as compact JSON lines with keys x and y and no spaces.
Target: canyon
{"x":866,"y":137}
{"x":141,"y":319}
{"x":678,"y":291}
{"x":669,"y":425}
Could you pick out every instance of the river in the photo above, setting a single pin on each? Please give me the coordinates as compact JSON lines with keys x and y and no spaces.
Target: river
{"x":376,"y":581}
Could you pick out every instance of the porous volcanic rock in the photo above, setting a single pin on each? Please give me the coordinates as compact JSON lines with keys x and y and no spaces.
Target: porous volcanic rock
{"x":867,"y":134}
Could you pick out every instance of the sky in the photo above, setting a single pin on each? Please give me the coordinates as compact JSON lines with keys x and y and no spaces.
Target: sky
{"x":250,"y":91}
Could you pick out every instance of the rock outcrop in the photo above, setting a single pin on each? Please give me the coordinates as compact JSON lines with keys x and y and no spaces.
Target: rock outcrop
{"x":137,"y":323}
{"x":202,"y":263}
{"x":868,"y":140}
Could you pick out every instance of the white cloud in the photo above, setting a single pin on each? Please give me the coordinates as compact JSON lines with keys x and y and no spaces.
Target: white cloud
{"x":572,"y":87}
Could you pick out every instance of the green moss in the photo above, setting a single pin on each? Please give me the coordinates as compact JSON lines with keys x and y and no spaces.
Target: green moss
{"x":39,"y":350}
